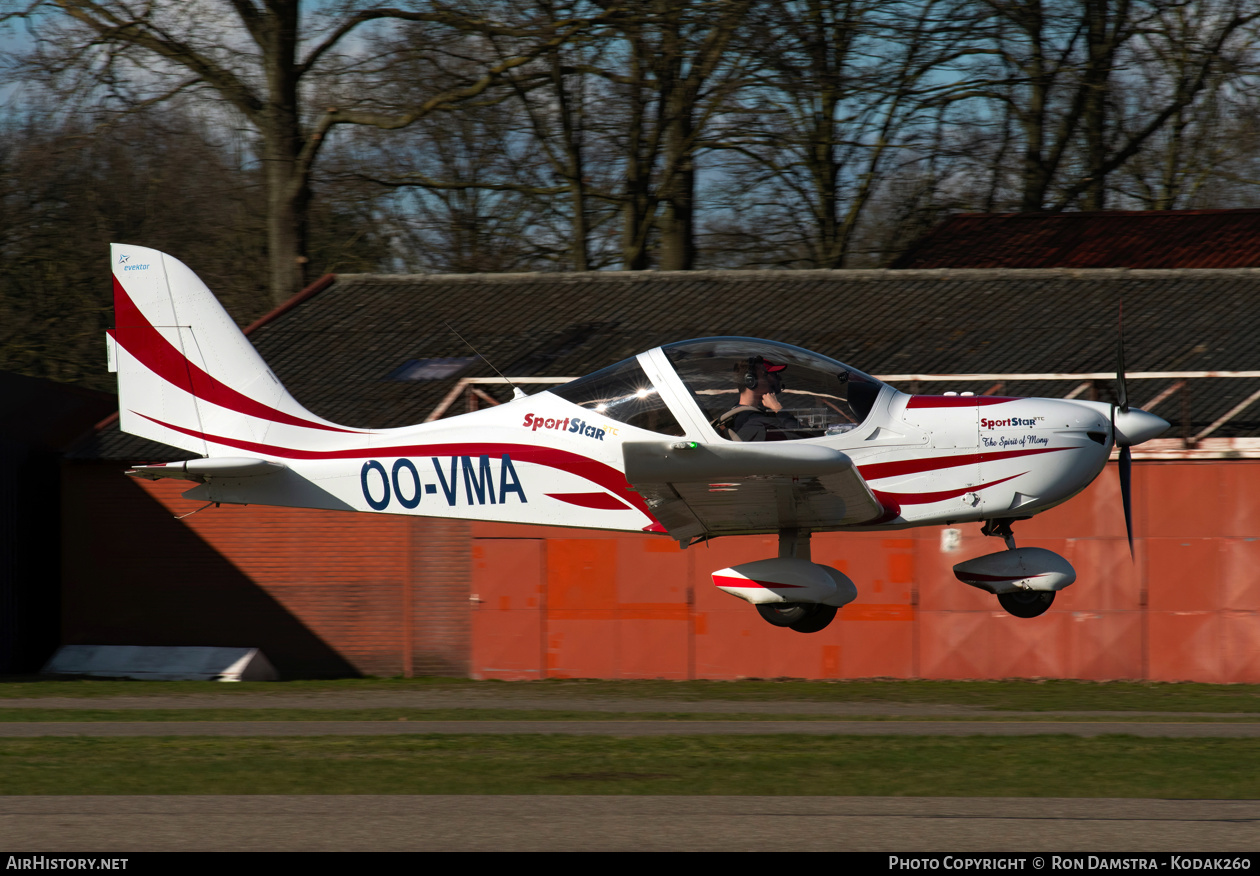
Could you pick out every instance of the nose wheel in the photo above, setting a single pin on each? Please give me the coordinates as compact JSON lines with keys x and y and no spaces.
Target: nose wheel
{"x":1020,"y":603}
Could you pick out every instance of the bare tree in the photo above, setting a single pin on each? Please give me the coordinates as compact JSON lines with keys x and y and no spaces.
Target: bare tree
{"x":468,"y":191}
{"x":270,"y":65}
{"x":842,"y":92}
{"x":1052,"y":66}
{"x":675,"y":78}
{"x":66,"y":192}
{"x":534,"y":157}
{"x":567,"y":125}
{"x":1203,"y":155}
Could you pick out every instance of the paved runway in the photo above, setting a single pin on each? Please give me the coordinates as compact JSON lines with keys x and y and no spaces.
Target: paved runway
{"x":618,"y":823}
{"x":1200,"y":729}
{"x":581,"y":823}
{"x":506,"y":697}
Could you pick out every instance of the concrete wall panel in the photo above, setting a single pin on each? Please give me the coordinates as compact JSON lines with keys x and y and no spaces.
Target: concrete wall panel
{"x":874,"y":641}
{"x":1186,"y":646}
{"x":955,"y":644}
{"x":1107,"y":578}
{"x":1184,"y":500}
{"x":1102,"y":645}
{"x":1184,"y":574}
{"x":1242,"y":646}
{"x":1240,"y":573}
{"x":937,"y":588}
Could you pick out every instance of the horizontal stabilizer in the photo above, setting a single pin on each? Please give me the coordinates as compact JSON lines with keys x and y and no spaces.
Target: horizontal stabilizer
{"x":200,"y":470}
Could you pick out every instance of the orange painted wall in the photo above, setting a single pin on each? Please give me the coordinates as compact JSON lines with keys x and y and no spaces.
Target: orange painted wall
{"x":1187,"y":608}
{"x":388,"y":595}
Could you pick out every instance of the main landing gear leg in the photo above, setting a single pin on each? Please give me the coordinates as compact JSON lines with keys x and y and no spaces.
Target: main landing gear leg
{"x":804,"y":617}
{"x":794,"y":543}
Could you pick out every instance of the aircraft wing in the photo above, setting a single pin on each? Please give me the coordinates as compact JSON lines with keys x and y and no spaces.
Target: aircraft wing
{"x":696,"y":489}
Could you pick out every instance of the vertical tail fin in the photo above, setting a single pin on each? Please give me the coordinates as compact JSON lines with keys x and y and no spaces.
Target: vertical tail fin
{"x":187,"y":376}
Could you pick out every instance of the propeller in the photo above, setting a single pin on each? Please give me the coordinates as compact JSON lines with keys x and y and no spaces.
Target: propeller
{"x":1126,"y":455}
{"x":1129,"y":426}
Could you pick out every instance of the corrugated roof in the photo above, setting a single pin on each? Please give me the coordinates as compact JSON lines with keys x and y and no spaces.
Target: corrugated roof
{"x":336,"y":349}
{"x":1108,"y":239}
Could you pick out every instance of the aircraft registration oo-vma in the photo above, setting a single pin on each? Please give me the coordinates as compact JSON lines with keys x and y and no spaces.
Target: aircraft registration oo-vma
{"x":694,"y":440}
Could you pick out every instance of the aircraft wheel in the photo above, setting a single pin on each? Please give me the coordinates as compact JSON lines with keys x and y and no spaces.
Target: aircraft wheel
{"x":784,"y":614}
{"x":817,"y":619}
{"x":1026,"y":603}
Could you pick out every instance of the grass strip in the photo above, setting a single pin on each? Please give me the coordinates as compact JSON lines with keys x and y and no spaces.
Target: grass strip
{"x":1016,"y":695}
{"x":25,"y":716}
{"x":1038,"y":766}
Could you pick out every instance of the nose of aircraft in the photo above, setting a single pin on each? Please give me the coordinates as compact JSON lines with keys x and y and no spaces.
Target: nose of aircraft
{"x":1135,"y":426}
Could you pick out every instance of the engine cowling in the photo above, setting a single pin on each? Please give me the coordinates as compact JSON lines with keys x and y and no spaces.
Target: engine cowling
{"x":786,"y":579}
{"x":1012,"y":571}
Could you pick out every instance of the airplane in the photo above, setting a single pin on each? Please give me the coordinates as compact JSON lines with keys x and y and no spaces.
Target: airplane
{"x":692,"y":440}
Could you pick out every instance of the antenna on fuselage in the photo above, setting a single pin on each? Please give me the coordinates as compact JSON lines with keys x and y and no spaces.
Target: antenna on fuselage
{"x":517,"y":392}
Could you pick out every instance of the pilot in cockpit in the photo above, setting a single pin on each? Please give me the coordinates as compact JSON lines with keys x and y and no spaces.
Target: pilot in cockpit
{"x":759,"y":415}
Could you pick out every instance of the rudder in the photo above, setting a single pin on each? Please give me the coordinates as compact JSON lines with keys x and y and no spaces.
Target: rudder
{"x":187,"y":376}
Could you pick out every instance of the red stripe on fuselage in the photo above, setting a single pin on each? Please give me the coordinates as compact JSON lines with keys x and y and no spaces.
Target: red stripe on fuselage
{"x":597,"y":501}
{"x":135,"y":334}
{"x":596,"y":472}
{"x":894,"y":501}
{"x":957,"y":401}
{"x":877,"y":470}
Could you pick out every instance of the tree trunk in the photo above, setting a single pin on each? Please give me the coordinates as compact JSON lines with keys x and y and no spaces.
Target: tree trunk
{"x":575,"y":168}
{"x":1094,"y":118}
{"x":677,"y":224}
{"x":288,"y":187}
{"x":288,"y":200}
{"x":637,"y":207}
{"x":1034,"y":175}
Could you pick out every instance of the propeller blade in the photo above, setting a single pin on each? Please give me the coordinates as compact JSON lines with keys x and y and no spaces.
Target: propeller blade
{"x":1126,"y":492}
{"x":1122,"y":392}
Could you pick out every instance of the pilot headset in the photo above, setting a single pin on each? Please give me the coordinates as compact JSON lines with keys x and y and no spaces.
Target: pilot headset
{"x":750,"y":376}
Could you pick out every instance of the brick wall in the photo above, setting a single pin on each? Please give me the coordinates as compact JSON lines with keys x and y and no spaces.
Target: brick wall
{"x":321,"y":592}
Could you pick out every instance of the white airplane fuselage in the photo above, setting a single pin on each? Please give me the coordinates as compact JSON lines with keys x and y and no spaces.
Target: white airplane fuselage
{"x":539,"y":459}
{"x":855,"y":453}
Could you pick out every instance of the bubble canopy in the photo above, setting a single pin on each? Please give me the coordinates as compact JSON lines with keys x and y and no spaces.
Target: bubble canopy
{"x":817,"y":395}
{"x":822,"y":396}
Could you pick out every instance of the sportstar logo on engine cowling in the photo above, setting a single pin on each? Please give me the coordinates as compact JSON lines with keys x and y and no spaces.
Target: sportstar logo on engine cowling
{"x":576,"y":425}
{"x":1010,"y":422}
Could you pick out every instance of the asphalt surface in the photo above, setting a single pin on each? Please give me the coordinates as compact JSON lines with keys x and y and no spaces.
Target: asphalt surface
{"x":505,"y":698}
{"x":53,"y":824}
{"x":561,"y":823}
{"x":908,"y":719}
{"x":628,"y":728}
